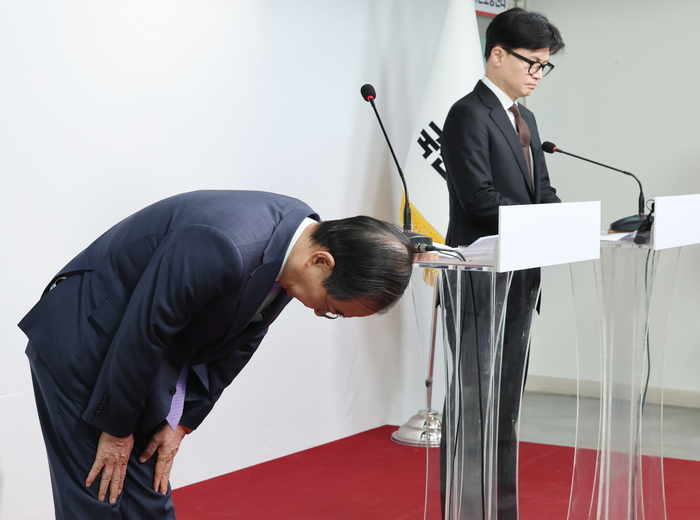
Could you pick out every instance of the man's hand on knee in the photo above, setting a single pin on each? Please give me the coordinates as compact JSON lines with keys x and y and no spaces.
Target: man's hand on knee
{"x":166,"y":441}
{"x":112,"y":458}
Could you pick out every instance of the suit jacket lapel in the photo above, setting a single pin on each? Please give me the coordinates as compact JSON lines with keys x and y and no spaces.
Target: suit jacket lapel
{"x":500,"y":118}
{"x":535,"y":145}
{"x":261,"y":279}
{"x":259,"y":284}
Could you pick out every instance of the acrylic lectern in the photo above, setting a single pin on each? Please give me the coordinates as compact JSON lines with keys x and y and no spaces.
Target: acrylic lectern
{"x":483,"y":390}
{"x":618,"y":464}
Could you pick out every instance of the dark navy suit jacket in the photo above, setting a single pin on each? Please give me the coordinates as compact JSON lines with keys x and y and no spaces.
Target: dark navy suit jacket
{"x":486,"y":165}
{"x":176,"y":282}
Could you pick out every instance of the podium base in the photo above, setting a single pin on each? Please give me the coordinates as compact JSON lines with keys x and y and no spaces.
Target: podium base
{"x":420,"y":431}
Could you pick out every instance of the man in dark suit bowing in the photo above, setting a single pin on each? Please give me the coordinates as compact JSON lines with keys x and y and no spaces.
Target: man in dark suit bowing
{"x":134,"y":340}
{"x":493,"y":157}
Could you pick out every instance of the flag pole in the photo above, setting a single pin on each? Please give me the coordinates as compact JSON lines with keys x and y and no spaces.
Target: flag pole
{"x":425,"y":427}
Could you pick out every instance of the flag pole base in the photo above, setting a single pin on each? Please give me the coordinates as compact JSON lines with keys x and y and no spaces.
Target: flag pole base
{"x":421,"y":430}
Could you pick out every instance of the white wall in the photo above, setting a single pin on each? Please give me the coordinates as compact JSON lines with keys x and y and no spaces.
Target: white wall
{"x":623,"y":93}
{"x":108,"y":106}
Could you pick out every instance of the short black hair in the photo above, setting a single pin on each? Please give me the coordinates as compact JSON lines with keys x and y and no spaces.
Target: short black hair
{"x":520,"y":29}
{"x":373,"y":260}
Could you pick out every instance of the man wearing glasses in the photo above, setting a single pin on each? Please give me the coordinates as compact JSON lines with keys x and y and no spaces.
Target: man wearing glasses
{"x":493,"y":157}
{"x":171,"y":302}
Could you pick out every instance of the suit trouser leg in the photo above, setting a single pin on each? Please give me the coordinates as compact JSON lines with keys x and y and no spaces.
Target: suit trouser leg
{"x":471,"y":393}
{"x":521,"y":301}
{"x":522,"y":298}
{"x":71,"y":445}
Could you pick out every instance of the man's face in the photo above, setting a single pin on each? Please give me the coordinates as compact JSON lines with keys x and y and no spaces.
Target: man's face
{"x":512,"y":74}
{"x":313,"y":295}
{"x":303,"y":279}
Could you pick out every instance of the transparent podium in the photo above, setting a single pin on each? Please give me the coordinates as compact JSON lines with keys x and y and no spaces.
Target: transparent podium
{"x":618,"y":464}
{"x":486,"y":347}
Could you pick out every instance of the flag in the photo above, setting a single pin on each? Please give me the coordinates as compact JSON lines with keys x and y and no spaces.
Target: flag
{"x":457,"y":66}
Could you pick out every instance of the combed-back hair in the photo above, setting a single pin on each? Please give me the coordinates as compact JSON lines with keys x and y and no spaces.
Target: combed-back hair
{"x":520,"y":29}
{"x":373,"y":261}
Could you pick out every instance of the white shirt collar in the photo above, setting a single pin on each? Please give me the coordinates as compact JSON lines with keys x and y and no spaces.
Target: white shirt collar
{"x":278,"y":289}
{"x":305,"y":223}
{"x":502,"y":96}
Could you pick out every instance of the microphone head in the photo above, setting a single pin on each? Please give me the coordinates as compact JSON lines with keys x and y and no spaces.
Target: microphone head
{"x":549,"y":147}
{"x":368,"y":92}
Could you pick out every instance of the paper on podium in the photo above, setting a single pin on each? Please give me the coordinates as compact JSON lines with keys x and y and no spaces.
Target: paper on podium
{"x":618,"y":237}
{"x":481,"y":251}
{"x":478,"y":255}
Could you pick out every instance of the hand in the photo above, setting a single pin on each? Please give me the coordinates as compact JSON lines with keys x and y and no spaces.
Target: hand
{"x":166,"y":441}
{"x":112,"y":458}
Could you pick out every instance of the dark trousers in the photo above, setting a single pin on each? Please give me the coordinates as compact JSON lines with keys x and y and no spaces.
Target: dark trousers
{"x":520,"y":306}
{"x":71,"y":445}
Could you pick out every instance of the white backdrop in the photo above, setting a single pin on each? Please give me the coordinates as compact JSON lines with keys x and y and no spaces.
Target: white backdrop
{"x":620,"y":95}
{"x":109,"y":106}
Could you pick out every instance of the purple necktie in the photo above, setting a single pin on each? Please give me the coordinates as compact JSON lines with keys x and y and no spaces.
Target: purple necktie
{"x":178,"y":403}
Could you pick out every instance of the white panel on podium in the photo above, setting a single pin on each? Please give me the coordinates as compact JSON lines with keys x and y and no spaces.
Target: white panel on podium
{"x":676,"y":221}
{"x":539,"y":235}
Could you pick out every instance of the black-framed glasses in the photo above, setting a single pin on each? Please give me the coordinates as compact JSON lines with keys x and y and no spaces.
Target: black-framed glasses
{"x":326,"y":314}
{"x":535,"y":66}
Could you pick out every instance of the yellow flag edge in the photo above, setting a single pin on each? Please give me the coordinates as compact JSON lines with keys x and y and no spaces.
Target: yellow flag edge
{"x":420,"y":225}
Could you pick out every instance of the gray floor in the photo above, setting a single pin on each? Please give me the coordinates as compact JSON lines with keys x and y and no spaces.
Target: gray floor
{"x":551,"y":419}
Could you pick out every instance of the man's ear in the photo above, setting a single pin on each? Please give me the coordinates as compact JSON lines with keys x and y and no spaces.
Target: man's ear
{"x":497,"y":55}
{"x":323,"y":259}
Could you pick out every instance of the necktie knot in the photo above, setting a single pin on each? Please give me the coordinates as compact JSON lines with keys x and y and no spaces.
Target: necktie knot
{"x":523,"y":130}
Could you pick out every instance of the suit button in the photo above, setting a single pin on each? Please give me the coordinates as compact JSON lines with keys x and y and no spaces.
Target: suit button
{"x":173,"y":390}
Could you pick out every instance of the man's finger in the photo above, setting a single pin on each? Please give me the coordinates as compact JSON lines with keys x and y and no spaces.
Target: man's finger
{"x":94,"y":471}
{"x":115,"y":486}
{"x":157,"y":479}
{"x":104,"y":482}
{"x":122,"y":476}
{"x":150,"y":449}
{"x":160,"y":480}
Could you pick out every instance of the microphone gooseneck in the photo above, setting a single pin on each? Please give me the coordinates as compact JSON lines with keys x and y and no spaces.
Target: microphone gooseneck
{"x":420,"y":242}
{"x":625,"y":224}
{"x":369,"y":94}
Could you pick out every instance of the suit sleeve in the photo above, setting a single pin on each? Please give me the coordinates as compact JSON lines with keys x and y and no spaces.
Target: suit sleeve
{"x":203,"y":394}
{"x":467,"y":155}
{"x":190,"y":267}
{"x":549,"y":194}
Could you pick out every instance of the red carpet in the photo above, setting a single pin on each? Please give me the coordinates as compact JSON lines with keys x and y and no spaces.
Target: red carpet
{"x":370,"y":477}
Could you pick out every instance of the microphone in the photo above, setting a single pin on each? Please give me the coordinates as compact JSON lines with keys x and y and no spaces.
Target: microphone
{"x":369,"y":94}
{"x":631,"y":223}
